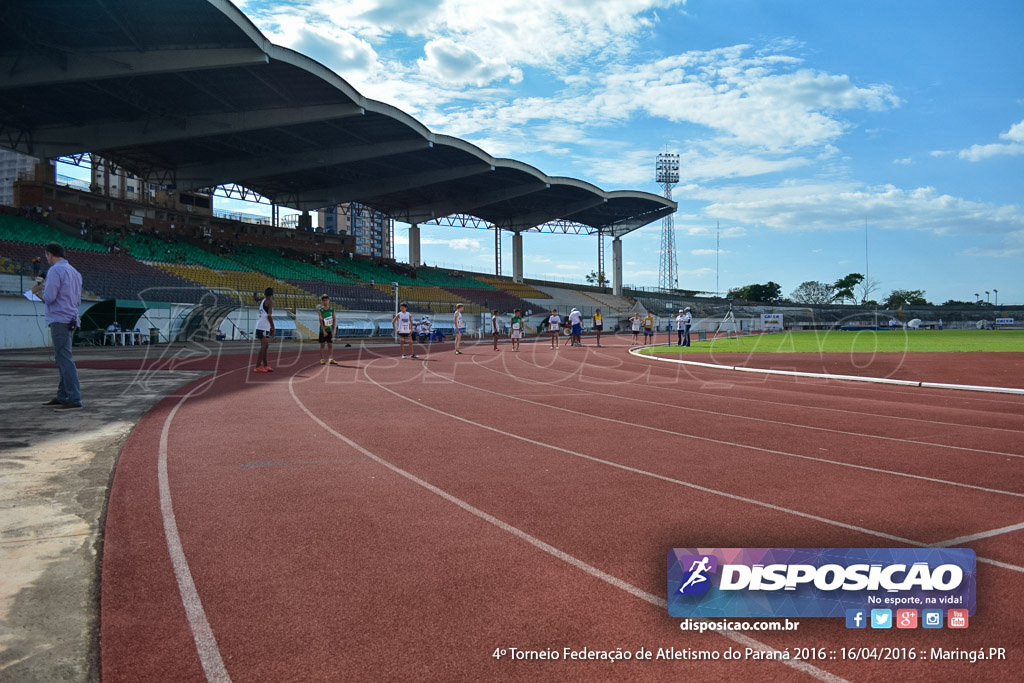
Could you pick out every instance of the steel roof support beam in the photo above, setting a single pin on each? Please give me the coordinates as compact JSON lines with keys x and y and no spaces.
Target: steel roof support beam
{"x":39,"y":70}
{"x":55,"y":142}
{"x":367,"y":191}
{"x":446,"y":207}
{"x":529,"y":220}
{"x":239,"y":171}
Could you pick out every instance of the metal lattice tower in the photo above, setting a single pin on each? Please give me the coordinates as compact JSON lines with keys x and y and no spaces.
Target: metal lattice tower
{"x":667,"y":174}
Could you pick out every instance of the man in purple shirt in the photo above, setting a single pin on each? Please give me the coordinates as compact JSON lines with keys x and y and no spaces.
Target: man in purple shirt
{"x":62,"y":295}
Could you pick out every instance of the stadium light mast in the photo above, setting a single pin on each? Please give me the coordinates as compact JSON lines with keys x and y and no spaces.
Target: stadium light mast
{"x":996,"y":292}
{"x":667,"y":174}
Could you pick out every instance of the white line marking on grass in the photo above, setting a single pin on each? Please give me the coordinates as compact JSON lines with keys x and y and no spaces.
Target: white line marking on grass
{"x":571,"y":560}
{"x":822,"y":375}
{"x":845,"y":411}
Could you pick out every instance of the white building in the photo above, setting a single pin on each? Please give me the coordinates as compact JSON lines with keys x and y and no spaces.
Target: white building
{"x":12,"y":165}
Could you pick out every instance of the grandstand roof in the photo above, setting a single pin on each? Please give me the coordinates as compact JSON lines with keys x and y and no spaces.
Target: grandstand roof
{"x":191,"y":94}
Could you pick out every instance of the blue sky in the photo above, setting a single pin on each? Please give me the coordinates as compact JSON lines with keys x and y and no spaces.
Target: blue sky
{"x":797,"y":122}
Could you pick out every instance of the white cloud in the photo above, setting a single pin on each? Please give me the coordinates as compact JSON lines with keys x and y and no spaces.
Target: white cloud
{"x":447,"y":60}
{"x":709,"y":252}
{"x":906,"y":161}
{"x":1013,"y":146}
{"x":458,"y":243}
{"x":841,"y":206}
{"x":699,"y":272}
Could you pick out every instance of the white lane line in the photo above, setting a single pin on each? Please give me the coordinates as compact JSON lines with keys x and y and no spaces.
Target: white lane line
{"x":930,"y":444}
{"x":635,"y":351}
{"x":974,"y":537}
{"x":679,"y":482}
{"x":725,"y":397}
{"x":572,"y":560}
{"x":202,"y":634}
{"x":758,"y":449}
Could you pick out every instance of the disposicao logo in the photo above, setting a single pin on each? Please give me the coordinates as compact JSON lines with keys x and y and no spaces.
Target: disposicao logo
{"x":696,"y":581}
{"x":817,"y":582}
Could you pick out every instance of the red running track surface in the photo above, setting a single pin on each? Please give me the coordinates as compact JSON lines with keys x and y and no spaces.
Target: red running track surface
{"x":400,"y":520}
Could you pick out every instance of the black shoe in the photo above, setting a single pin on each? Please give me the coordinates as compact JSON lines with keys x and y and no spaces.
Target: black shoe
{"x":69,"y":406}
{"x":52,"y":402}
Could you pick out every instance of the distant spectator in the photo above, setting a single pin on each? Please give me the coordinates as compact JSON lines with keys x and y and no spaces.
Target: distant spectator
{"x":649,"y":329}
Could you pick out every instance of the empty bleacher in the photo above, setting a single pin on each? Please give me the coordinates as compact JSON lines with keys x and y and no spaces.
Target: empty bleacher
{"x":349,"y":295}
{"x":21,"y":230}
{"x":491,"y":299}
{"x":274,"y":264}
{"x":244,"y":287}
{"x":118,"y":277}
{"x":148,"y":248}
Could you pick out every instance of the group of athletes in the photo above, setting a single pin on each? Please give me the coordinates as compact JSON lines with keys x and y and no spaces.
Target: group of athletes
{"x":405,"y":328}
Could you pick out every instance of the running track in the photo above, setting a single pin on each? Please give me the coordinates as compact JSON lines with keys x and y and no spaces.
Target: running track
{"x":400,"y":520}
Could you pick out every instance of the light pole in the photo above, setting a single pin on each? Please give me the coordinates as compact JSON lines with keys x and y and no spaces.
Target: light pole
{"x":996,"y":292}
{"x":977,"y":298}
{"x":988,"y":296}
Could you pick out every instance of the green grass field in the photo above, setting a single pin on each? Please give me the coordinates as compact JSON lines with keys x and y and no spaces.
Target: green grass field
{"x":868,"y":341}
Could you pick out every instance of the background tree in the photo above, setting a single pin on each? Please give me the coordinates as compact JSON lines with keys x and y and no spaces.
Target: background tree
{"x":768,"y":292}
{"x":844,"y":287}
{"x":867,"y":288}
{"x":813,"y":292}
{"x":596,"y":278}
{"x":899,"y":298}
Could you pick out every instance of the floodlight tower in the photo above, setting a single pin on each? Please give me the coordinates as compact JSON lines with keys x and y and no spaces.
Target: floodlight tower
{"x":667,"y":174}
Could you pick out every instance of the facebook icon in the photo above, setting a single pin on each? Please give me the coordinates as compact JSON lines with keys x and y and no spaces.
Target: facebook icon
{"x":856,"y":618}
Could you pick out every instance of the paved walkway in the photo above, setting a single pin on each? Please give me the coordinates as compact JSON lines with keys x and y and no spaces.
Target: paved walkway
{"x":56,"y":468}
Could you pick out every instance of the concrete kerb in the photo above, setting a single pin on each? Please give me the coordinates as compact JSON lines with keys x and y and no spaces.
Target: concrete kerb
{"x":636,"y":351}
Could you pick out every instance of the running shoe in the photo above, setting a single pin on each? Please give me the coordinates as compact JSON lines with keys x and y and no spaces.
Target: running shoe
{"x":260,"y":368}
{"x":415,"y":356}
{"x":333,"y":362}
{"x":323,"y":362}
{"x":458,"y":353}
{"x":269,"y":369}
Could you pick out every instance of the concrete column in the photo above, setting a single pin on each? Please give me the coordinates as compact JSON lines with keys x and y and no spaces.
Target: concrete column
{"x":414,"y":246}
{"x":617,"y":266}
{"x":517,"y":257}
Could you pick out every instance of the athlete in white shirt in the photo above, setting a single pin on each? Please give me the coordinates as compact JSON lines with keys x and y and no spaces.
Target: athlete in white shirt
{"x":402,"y":324}
{"x":457,"y":321}
{"x":265,"y":329}
{"x":575,"y":328}
{"x":554,"y":323}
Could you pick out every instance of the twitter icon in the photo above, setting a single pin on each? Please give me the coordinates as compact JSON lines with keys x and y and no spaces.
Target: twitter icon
{"x":881,"y":618}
